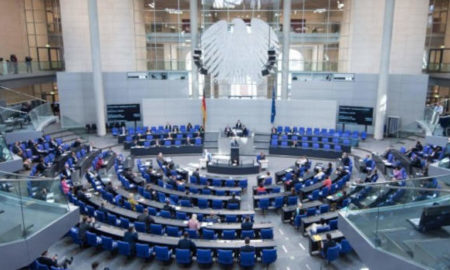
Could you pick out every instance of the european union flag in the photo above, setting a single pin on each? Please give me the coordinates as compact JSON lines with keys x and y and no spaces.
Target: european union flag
{"x":274,"y":111}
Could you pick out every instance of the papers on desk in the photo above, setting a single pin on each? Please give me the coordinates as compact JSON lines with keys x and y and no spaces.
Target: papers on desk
{"x":387,"y":163}
{"x":316,"y":237}
{"x":204,"y":224}
{"x":177,"y":208}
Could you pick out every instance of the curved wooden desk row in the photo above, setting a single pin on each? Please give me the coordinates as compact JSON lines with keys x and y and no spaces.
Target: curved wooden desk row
{"x":190,"y":195}
{"x":189,"y":210}
{"x":199,"y":186}
{"x":173,"y":241}
{"x":132,"y":215}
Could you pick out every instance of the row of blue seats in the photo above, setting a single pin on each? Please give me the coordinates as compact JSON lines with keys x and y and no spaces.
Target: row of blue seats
{"x":160,"y":129}
{"x":324,"y":140}
{"x":321,"y":132}
{"x":166,"y":142}
{"x":277,"y":202}
{"x":39,"y":266}
{"x":164,"y":254}
{"x":305,"y":145}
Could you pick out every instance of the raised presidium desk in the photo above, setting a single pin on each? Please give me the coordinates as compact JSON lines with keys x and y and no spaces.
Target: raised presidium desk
{"x":154,"y":150}
{"x":173,"y":241}
{"x":314,"y":240}
{"x":225,"y":167}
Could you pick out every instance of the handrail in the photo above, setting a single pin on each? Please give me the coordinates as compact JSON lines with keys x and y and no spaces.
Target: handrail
{"x":12,"y":110}
{"x":23,"y":94}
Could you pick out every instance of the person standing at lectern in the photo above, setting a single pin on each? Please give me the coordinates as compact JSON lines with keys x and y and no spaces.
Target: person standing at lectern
{"x":244,"y":131}
{"x":238,"y":124}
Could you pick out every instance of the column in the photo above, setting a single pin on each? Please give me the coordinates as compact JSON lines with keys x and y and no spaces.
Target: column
{"x":286,"y":37}
{"x":383,"y":78}
{"x":99,"y":93}
{"x":194,"y":28}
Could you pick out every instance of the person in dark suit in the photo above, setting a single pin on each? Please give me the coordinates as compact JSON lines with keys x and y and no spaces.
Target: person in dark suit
{"x":189,"y":127}
{"x":67,"y":172}
{"x":329,"y":243}
{"x":228,"y":132}
{"x":238,"y":124}
{"x":131,"y":237}
{"x":146,"y":218}
{"x":53,"y":261}
{"x":109,"y":188}
{"x":168,"y":127}
{"x":76,"y":143}
{"x":186,"y":243}
{"x":345,"y":159}
{"x":247,"y":247}
{"x":247,"y":224}
{"x":244,"y":131}
{"x":85,"y":225}
{"x":196,"y":174}
{"x":233,"y":200}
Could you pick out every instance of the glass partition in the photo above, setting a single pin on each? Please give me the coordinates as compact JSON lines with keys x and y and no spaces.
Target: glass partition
{"x":388,"y":215}
{"x":41,"y":115}
{"x":28,"y":205}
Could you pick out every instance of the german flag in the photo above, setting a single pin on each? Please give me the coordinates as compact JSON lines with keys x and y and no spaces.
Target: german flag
{"x":204,"y":114}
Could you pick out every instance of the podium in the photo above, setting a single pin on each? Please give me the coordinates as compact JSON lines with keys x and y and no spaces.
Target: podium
{"x":234,"y":154}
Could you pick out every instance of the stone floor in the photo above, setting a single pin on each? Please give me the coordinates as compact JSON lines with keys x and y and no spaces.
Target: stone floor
{"x":291,"y":246}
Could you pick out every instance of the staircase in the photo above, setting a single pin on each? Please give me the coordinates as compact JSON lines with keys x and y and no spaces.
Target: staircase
{"x":211,"y":142}
{"x":66,"y":135}
{"x":261,"y":141}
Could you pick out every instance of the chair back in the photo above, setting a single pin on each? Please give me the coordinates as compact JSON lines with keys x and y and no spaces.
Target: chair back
{"x":268,"y":256}
{"x":247,"y":259}
{"x":183,"y":256}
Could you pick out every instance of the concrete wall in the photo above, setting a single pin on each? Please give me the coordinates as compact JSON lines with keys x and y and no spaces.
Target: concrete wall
{"x":406,"y":94}
{"x":408,"y":37}
{"x":255,"y":114}
{"x":117,"y":35}
{"x":77,"y":98}
{"x":406,"y":98}
{"x":13,"y":35}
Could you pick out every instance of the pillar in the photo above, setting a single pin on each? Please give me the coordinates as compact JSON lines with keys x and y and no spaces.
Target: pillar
{"x":99,"y":94}
{"x":286,"y":41}
{"x":383,"y":78}
{"x":194,"y":43}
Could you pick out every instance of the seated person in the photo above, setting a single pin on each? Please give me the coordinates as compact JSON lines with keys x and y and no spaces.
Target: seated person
{"x":238,"y":124}
{"x":260,"y":157}
{"x":233,"y":200}
{"x":212,"y":218}
{"x":84,"y":226}
{"x":247,"y":247}
{"x":312,"y":229}
{"x":366,"y":165}
{"x":244,"y":131}
{"x":186,"y":243}
{"x":168,"y":126}
{"x":397,"y":173}
{"x":247,"y":224}
{"x":372,"y":177}
{"x":417,"y":148}
{"x":131,"y":237}
{"x":189,"y":141}
{"x":274,"y":130}
{"x":168,"y":207}
{"x":329,"y":243}
{"x":53,"y":261}
{"x":41,"y":166}
{"x":261,"y":189}
{"x":228,"y":132}
{"x":193,"y":223}
{"x":196,"y":174}
{"x":146,"y":218}
{"x":327,"y":182}
{"x":188,"y":126}
{"x":319,"y":174}
{"x":345,"y":159}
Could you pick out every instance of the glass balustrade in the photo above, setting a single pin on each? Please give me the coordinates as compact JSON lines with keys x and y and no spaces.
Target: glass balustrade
{"x":386,"y":215}
{"x":7,"y":67}
{"x":28,"y":205}
{"x":41,"y":116}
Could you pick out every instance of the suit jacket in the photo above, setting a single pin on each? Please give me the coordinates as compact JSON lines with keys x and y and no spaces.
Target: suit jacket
{"x":247,"y":248}
{"x":187,"y":244}
{"x":82,"y":229}
{"x":131,"y":238}
{"x":247,"y":226}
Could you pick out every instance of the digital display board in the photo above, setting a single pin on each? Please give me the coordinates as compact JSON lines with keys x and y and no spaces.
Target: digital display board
{"x":123,"y":112}
{"x":355,"y":115}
